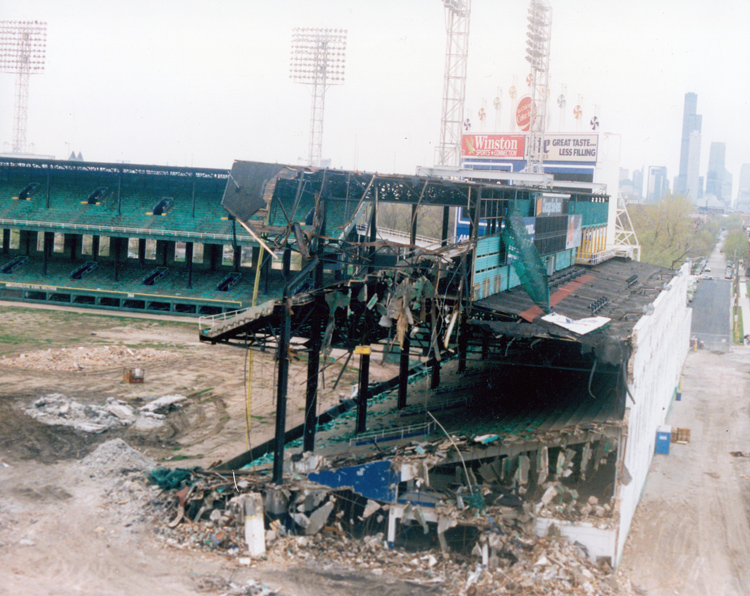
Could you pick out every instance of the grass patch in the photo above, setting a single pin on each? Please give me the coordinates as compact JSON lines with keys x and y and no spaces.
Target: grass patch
{"x":739,"y":332}
{"x":158,"y":346}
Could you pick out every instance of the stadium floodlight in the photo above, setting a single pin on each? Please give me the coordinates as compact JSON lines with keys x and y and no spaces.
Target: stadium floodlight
{"x":318,"y":59}
{"x":537,"y":54}
{"x":457,"y":17}
{"x":23,"y":46}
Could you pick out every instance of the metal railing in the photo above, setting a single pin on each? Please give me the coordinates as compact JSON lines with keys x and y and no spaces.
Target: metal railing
{"x":208,"y":321}
{"x":392,"y":434}
{"x":121,"y":230}
{"x":600,"y":257}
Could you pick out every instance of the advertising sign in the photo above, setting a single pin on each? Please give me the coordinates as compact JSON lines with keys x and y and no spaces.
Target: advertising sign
{"x":571,"y":147}
{"x":523,"y":113}
{"x":558,"y":147}
{"x":502,"y":146}
{"x":550,"y":203}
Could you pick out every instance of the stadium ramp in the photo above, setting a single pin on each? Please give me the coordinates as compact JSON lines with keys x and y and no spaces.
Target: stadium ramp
{"x":221,"y":327}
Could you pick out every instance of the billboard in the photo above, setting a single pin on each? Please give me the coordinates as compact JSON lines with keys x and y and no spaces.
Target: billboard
{"x":499,"y":146}
{"x":579,"y":147}
{"x":523,"y":113}
{"x":558,"y":147}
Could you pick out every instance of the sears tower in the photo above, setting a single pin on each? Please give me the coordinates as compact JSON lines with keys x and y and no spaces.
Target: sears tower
{"x":688,"y":180}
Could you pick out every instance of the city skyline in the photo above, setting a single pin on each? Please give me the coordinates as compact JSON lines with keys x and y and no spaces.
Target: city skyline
{"x":183,"y":83}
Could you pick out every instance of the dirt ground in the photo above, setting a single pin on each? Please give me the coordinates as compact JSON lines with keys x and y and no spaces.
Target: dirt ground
{"x":69,"y":529}
{"x":64,"y":531}
{"x":211,"y":428}
{"x":691,"y":534}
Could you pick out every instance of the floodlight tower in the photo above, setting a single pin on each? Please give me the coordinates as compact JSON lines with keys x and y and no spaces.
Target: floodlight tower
{"x":23,"y":46}
{"x":318,"y":59}
{"x":457,"y":14}
{"x":537,"y":54}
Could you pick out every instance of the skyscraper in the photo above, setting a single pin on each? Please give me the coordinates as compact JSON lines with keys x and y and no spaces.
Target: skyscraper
{"x":687,"y":181}
{"x":658,"y":184}
{"x":716,"y":174}
{"x":638,"y":183}
{"x":743,"y":192}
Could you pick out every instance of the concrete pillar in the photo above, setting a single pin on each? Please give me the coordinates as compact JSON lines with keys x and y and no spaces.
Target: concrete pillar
{"x":189,"y":263}
{"x":237,"y":257}
{"x":115,"y":247}
{"x":162,"y":251}
{"x":214,"y":256}
{"x":49,"y":241}
{"x":25,"y":242}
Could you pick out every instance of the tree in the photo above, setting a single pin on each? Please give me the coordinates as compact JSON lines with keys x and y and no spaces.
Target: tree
{"x":669,"y":234}
{"x":735,"y":246}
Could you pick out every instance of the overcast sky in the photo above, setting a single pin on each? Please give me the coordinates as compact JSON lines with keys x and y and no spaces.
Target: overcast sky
{"x":202,"y":83}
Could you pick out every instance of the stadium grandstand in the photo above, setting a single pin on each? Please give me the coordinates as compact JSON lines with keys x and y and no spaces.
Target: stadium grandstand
{"x":124,"y":237}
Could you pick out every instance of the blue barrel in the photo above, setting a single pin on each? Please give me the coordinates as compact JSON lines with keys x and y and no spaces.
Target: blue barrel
{"x":663,"y":438}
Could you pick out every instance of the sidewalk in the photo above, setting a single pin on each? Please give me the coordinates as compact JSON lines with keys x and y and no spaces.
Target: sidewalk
{"x":744,"y":304}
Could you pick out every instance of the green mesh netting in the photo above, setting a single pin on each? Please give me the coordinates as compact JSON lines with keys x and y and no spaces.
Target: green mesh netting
{"x":525,"y":260}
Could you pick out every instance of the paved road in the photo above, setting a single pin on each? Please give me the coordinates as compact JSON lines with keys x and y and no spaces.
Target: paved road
{"x":712,"y":314}
{"x":712,"y":320}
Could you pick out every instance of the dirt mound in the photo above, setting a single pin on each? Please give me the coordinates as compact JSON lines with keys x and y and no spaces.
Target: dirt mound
{"x":115,"y":457}
{"x":86,"y":358}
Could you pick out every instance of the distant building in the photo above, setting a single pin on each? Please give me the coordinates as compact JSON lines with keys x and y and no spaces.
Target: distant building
{"x":743,"y":192}
{"x":687,"y":181}
{"x":726,"y":188}
{"x":717,"y":175}
{"x":657,"y":184}
{"x":638,"y":183}
{"x":631,"y":189}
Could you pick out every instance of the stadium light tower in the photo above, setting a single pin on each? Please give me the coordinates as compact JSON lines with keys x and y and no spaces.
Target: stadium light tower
{"x":537,"y":54}
{"x":23,"y":45}
{"x":457,"y":14}
{"x":318,"y":59}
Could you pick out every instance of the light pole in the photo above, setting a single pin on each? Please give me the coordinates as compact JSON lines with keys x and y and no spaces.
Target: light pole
{"x":318,"y":60}
{"x":23,"y":46}
{"x":537,"y":55}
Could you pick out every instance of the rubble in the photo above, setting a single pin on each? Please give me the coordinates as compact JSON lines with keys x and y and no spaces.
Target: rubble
{"x":56,"y":409}
{"x":164,"y":405}
{"x":115,"y":457}
{"x":86,"y":358}
{"x":494,"y":550}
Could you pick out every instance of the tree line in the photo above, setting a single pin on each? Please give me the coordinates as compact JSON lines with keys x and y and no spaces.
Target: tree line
{"x":673,"y":231}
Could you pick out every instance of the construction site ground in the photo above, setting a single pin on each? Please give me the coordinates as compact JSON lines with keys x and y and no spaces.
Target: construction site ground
{"x":71,"y":525}
{"x":691,"y":534}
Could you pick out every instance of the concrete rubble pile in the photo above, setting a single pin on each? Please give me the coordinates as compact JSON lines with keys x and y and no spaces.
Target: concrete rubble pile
{"x":482,"y":550}
{"x":56,"y":409}
{"x":86,"y":358}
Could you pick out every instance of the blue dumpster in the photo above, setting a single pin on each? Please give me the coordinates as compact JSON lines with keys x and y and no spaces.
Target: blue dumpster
{"x":663,"y":438}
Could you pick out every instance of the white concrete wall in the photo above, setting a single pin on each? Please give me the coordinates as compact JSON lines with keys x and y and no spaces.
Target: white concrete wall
{"x":599,"y":542}
{"x":660,"y":346}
